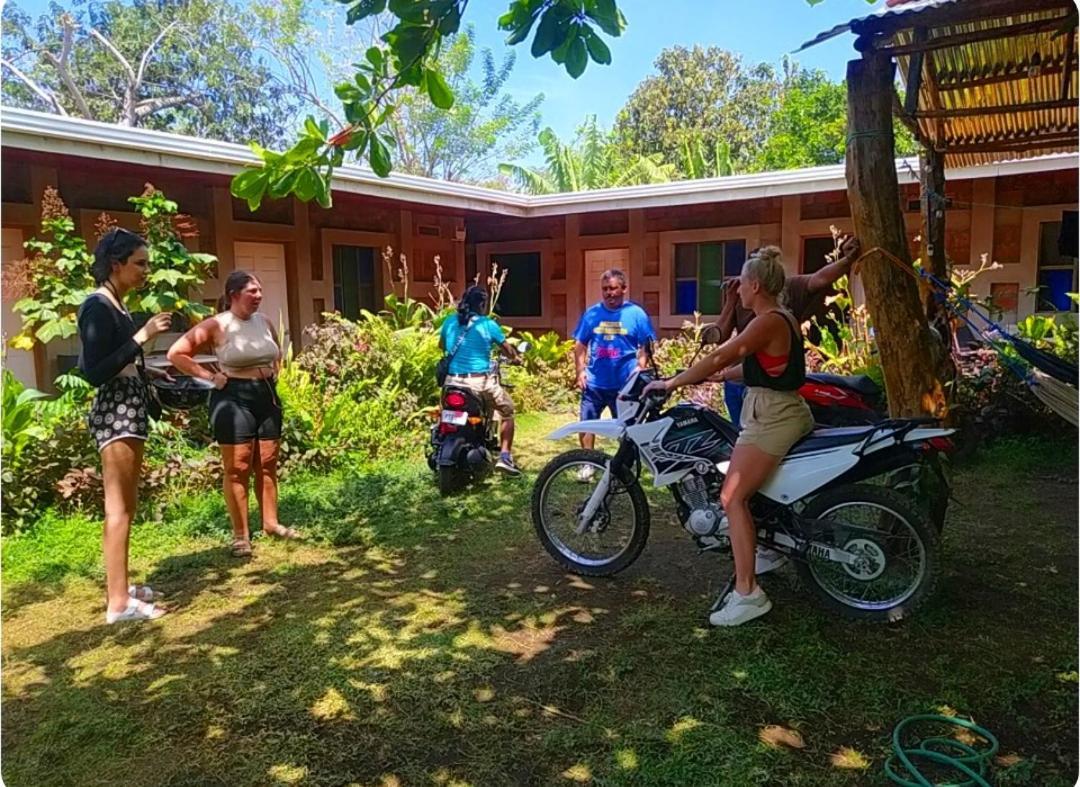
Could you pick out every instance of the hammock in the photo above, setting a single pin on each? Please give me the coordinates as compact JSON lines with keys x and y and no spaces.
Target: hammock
{"x":1053,"y":380}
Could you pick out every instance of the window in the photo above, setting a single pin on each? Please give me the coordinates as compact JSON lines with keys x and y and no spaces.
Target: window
{"x":700,"y":270}
{"x":815,"y":251}
{"x":520,"y":295}
{"x":354,"y":280}
{"x":1057,"y":272}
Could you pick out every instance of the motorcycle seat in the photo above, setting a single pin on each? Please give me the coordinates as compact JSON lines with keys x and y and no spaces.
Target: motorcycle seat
{"x":855,"y":382}
{"x":820,"y":439}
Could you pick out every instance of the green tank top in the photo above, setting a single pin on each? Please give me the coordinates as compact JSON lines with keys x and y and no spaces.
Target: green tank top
{"x":794,"y":374}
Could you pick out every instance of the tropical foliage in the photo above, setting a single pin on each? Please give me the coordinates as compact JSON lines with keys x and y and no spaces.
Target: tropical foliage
{"x":49,"y":285}
{"x":591,"y":161}
{"x":485,"y":125}
{"x":565,"y":30}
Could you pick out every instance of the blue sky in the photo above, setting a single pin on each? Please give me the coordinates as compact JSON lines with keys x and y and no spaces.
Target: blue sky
{"x":759,"y":30}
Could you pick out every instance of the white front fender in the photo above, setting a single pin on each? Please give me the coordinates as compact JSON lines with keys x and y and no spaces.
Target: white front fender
{"x":603,"y":427}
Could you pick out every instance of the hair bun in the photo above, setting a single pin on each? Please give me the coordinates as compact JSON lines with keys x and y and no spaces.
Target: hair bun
{"x":769,"y":254}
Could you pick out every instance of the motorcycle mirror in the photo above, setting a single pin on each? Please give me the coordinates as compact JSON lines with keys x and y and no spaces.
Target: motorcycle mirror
{"x":710,"y":334}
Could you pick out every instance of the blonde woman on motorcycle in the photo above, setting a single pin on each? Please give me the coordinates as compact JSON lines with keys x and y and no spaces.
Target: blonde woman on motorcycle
{"x":774,"y":416}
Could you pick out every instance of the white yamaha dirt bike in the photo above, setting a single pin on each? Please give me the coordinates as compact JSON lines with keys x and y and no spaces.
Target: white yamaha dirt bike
{"x":867,"y":550}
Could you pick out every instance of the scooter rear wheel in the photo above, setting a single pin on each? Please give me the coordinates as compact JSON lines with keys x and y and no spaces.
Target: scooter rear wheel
{"x":451,"y":480}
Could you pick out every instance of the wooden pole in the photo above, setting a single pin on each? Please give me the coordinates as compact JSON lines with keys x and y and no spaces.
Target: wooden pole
{"x":932,"y":207}
{"x":905,"y":344}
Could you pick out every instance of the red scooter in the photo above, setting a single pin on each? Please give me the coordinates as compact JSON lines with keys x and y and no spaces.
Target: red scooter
{"x":843,"y":400}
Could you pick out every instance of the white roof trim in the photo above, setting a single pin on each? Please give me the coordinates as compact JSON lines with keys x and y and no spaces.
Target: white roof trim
{"x":39,"y":131}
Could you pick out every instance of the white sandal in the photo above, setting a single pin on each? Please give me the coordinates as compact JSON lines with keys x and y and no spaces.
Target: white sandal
{"x":136,"y":610}
{"x":143,"y":593}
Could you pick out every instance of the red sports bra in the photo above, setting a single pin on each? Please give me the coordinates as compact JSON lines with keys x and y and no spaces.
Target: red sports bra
{"x":772,"y":365}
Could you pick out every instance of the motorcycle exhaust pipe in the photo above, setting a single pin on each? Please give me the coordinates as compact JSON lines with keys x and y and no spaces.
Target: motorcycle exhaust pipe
{"x":477,"y":456}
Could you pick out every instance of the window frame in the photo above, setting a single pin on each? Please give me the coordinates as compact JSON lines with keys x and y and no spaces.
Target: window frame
{"x":724,"y":243}
{"x":1071,"y":265}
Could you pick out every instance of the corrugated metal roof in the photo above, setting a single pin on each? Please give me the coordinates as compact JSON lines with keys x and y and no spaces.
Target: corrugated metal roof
{"x":977,"y":76}
{"x":881,"y":11}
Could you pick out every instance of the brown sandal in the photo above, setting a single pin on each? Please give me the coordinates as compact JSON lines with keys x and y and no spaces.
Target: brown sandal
{"x":241,"y":547}
{"x":280,"y":531}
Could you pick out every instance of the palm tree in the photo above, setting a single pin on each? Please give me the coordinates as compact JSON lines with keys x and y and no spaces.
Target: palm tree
{"x":700,"y":162}
{"x":591,"y":161}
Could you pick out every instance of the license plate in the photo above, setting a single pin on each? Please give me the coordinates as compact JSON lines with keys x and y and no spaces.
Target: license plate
{"x":454,"y":417}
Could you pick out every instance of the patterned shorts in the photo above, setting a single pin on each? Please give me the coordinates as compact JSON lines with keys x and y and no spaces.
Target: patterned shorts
{"x":119,"y":410}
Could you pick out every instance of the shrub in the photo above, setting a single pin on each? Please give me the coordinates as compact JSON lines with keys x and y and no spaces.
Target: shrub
{"x":678,"y":352}
{"x":42,"y":441}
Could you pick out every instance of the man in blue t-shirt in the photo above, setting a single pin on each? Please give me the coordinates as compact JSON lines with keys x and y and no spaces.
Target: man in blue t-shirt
{"x":609,"y":344}
{"x":470,"y":366}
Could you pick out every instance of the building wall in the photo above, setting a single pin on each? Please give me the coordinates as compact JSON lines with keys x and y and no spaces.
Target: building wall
{"x":997,"y":217}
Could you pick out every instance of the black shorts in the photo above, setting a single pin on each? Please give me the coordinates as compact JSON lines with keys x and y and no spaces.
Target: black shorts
{"x":245,"y":410}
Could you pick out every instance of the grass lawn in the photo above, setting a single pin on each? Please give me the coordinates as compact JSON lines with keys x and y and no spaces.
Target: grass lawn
{"x":423,"y":641}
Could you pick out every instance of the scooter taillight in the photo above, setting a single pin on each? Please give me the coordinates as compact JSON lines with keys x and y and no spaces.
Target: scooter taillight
{"x":942,"y":445}
{"x":445,"y":428}
{"x":455,"y":400}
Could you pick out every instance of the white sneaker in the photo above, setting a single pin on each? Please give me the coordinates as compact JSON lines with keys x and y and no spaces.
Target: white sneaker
{"x":585,"y":474}
{"x":739,"y":609}
{"x":136,"y":610}
{"x":766,"y":560}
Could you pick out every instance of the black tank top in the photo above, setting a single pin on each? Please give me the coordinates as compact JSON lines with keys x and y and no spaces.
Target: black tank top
{"x":794,"y":374}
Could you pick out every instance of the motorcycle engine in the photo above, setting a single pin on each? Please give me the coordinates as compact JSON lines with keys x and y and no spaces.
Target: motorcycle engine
{"x":701,"y":495}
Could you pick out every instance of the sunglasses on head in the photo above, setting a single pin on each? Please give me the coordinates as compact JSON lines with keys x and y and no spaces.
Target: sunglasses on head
{"x":119,"y":232}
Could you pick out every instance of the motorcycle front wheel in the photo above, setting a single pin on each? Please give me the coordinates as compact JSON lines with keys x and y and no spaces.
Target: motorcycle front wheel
{"x":619,"y":530}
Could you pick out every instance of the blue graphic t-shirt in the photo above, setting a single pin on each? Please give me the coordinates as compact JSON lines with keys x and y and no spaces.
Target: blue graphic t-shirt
{"x":613,"y":338}
{"x":474,"y":355}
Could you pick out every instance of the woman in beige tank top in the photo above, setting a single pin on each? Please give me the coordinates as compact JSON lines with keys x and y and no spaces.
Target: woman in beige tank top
{"x":245,"y":412}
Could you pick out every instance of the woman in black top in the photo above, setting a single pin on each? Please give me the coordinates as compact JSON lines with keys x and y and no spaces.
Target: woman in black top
{"x":774,"y":417}
{"x":111,"y":359}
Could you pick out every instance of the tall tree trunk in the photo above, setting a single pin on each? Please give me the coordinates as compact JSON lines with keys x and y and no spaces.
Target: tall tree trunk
{"x":903,"y":337}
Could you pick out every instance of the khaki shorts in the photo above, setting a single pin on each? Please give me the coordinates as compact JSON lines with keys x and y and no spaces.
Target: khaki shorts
{"x":488,"y":388}
{"x":774,"y":420}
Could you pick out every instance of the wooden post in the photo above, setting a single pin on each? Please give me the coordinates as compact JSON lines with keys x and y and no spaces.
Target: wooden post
{"x":903,"y":337}
{"x":932,"y":207}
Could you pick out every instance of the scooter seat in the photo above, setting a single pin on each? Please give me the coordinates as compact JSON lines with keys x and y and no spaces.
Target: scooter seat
{"x":856,"y":382}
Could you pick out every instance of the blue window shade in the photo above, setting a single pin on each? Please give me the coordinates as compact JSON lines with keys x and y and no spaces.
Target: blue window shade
{"x":685,"y":297}
{"x":734,"y":257}
{"x":1053,"y":284}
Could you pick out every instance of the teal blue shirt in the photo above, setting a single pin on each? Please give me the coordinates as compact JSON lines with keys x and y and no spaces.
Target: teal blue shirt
{"x":474,"y":355}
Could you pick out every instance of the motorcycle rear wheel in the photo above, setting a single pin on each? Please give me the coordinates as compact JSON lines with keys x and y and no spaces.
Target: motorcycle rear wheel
{"x":896,"y":542}
{"x":619,"y":530}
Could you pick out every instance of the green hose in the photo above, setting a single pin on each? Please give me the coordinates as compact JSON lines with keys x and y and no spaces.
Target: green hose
{"x":948,"y":752}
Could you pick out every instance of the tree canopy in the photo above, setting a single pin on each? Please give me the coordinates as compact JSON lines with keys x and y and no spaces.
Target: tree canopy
{"x":408,"y":57}
{"x":706,"y":94}
{"x":483,"y":127}
{"x":193,"y":67}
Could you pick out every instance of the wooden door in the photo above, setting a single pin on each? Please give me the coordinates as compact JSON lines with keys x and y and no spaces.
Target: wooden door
{"x":267,"y":262}
{"x":599,"y":260}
